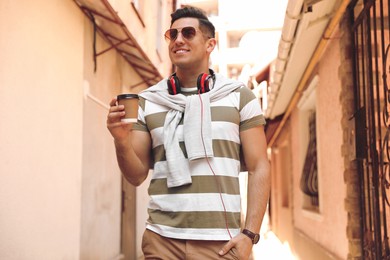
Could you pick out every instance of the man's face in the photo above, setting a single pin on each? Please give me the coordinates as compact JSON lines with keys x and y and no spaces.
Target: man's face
{"x":188,"y":53}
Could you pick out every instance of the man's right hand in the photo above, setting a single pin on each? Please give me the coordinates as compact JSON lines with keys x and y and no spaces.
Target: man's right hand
{"x":118,"y":129}
{"x":133,"y":148}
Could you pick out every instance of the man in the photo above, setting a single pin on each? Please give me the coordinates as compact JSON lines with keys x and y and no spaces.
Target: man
{"x":192,"y":126}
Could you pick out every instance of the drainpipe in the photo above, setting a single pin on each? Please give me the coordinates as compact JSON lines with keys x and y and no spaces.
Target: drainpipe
{"x":310,"y":67}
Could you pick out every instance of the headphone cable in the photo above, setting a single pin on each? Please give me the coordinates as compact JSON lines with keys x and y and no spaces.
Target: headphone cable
{"x":211,"y":168}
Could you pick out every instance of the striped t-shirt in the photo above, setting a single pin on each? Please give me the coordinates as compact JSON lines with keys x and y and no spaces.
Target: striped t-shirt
{"x":209,"y":207}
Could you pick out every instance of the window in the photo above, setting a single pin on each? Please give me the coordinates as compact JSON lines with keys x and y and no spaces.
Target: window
{"x":308,"y":141}
{"x":309,"y":180}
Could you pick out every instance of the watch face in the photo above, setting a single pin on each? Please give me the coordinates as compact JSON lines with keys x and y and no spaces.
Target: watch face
{"x":256,"y":239}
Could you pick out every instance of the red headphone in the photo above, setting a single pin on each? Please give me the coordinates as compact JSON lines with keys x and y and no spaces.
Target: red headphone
{"x":203,"y":83}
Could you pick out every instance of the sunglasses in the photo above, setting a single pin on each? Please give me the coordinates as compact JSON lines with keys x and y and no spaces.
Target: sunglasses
{"x":188,"y":33}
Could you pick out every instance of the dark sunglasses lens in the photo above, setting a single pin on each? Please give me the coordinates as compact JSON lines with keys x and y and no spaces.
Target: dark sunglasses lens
{"x":172,"y":34}
{"x":188,"y":32}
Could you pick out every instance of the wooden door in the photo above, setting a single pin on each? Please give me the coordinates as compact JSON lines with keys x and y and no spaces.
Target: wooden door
{"x":128,"y":242}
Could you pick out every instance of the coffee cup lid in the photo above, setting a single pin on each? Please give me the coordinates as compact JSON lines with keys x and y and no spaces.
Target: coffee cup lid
{"x":124,"y":96}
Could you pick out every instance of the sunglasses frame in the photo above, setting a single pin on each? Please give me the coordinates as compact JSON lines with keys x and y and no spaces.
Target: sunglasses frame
{"x":179,"y":30}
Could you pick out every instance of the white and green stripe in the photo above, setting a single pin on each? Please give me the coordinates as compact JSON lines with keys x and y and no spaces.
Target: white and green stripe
{"x":195,"y":211}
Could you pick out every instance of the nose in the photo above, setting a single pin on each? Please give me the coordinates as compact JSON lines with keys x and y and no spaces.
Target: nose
{"x":179,"y":37}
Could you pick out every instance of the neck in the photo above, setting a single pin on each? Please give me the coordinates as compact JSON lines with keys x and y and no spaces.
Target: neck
{"x":188,"y":78}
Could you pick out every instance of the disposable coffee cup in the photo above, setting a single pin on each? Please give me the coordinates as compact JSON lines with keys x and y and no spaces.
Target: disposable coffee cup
{"x":130,"y":101}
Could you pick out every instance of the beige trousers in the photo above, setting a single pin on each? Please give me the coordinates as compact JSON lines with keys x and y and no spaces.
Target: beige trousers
{"x":155,"y":246}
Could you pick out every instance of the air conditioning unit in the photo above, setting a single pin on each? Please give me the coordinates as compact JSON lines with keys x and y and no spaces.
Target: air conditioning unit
{"x":308,"y":5}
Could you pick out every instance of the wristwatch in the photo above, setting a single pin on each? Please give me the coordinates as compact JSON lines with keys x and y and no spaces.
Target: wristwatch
{"x":253,"y":236}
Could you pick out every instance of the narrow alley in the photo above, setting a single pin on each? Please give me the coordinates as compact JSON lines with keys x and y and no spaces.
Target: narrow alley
{"x":318,"y":79}
{"x":271,"y":248}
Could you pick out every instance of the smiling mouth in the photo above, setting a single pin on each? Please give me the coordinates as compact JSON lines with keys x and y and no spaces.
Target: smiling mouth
{"x":181,"y":51}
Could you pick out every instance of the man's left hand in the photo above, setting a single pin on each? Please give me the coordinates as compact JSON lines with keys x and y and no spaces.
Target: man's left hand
{"x":241,"y":243}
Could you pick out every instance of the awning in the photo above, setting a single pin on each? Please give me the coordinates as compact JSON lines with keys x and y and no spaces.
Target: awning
{"x":263,"y":74}
{"x":271,"y":127}
{"x":109,"y":25}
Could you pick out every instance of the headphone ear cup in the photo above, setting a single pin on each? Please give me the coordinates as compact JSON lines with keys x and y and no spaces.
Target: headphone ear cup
{"x":173,"y":85}
{"x":203,"y":83}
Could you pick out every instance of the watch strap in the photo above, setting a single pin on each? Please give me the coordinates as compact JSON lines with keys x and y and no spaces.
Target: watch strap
{"x":253,"y":236}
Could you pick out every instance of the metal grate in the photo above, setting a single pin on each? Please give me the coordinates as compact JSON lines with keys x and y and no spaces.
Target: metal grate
{"x":309,"y":180}
{"x":109,"y":25}
{"x":371,"y":39}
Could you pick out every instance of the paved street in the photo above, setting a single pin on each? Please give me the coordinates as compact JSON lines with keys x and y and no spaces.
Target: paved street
{"x":270,"y":247}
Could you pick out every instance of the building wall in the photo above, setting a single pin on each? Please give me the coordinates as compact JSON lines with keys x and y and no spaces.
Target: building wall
{"x":61,"y":186}
{"x":145,"y":24}
{"x":330,"y":143}
{"x":148,"y":26}
{"x":324,"y":228}
{"x":322,"y":234}
{"x":351,"y":177}
{"x":41,"y":75}
{"x":101,"y":179}
{"x":282,"y":187}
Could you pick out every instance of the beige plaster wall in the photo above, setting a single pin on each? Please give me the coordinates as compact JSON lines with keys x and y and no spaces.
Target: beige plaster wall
{"x":60,"y":195}
{"x":101,"y":178}
{"x":151,"y":37}
{"x":41,"y":72}
{"x":328,"y":227}
{"x":281,"y":192}
{"x":148,"y":25}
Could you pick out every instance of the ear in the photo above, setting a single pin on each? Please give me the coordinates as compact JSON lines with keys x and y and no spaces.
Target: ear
{"x":211,"y":43}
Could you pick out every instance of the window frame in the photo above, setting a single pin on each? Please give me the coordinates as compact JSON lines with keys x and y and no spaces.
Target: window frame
{"x":307,"y":106}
